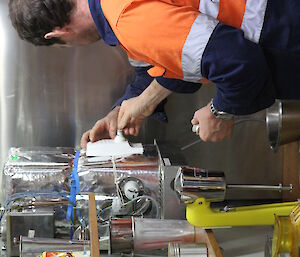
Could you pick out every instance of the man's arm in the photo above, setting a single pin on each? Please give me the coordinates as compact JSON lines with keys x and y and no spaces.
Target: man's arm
{"x":143,"y":105}
{"x":240,"y":71}
{"x":141,"y":82}
{"x":244,"y":82}
{"x":142,"y":100}
{"x":107,"y":126}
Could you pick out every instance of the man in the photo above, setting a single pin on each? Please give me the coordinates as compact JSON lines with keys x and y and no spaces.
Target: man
{"x":182,"y":43}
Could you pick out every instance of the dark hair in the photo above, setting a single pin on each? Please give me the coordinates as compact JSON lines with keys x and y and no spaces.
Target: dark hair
{"x":33,"y":19}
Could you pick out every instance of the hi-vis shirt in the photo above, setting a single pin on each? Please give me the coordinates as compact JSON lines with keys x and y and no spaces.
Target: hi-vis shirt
{"x":183,"y":39}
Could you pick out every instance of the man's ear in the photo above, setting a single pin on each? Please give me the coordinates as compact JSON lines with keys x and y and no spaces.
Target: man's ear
{"x":57,"y":33}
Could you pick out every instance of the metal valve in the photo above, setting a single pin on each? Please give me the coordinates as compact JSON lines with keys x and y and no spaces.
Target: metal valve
{"x":193,"y":183}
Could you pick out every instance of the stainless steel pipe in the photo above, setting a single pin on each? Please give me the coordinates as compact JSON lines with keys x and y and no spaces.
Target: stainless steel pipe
{"x":187,"y":250}
{"x":279,"y":187}
{"x":139,"y":234}
{"x":193,"y":183}
{"x":36,"y":246}
{"x":121,"y":236}
{"x":283,"y":123}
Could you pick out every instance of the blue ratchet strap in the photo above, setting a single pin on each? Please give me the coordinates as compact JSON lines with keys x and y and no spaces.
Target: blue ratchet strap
{"x":75,"y":171}
{"x":75,"y":188}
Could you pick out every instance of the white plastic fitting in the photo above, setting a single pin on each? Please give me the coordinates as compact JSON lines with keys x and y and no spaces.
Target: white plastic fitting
{"x":120,"y":137}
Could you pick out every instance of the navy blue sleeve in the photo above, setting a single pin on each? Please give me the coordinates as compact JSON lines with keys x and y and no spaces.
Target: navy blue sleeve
{"x":239,"y":69}
{"x":141,"y":82}
{"x":178,"y":86}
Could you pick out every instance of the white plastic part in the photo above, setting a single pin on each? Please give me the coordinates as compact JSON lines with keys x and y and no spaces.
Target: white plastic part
{"x":131,"y":190}
{"x":108,"y":147}
{"x":116,"y":205}
{"x":120,"y":137}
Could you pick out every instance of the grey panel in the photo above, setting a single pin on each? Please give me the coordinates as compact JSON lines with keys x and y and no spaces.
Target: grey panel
{"x":41,"y":224}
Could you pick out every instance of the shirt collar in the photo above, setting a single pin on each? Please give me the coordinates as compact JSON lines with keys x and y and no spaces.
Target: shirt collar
{"x":102,"y":24}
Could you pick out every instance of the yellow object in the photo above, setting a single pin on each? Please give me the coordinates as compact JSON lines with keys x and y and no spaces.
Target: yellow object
{"x":282,"y":236}
{"x":57,"y":254}
{"x":200,"y":214}
{"x":67,"y":254}
{"x":286,"y":235}
{"x":295,"y":221}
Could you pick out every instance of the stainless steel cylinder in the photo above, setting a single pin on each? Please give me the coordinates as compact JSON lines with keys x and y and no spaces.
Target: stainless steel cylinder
{"x":152,"y":234}
{"x":137,"y":235}
{"x":35,"y":246}
{"x":194,"y":183}
{"x":283,"y":123}
{"x":187,"y":250}
{"x":121,"y":236}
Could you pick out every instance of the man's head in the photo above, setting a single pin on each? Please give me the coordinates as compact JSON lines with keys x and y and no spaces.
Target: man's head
{"x":49,"y":22}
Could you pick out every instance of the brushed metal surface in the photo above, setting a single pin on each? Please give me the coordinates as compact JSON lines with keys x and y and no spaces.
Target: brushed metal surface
{"x":283,"y":122}
{"x":50,"y":96}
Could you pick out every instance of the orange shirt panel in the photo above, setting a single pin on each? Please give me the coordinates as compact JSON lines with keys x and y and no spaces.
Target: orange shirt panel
{"x":152,"y":31}
{"x":231,"y":12}
{"x":190,"y":3}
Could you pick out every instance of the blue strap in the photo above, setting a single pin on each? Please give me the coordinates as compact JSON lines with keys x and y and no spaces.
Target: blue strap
{"x":75,"y":171}
{"x":75,"y":188}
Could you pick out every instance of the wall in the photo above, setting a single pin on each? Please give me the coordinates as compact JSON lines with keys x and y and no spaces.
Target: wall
{"x":50,"y":96}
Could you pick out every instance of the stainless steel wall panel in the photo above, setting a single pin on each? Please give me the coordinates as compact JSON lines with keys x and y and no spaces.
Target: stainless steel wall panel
{"x":50,"y":96}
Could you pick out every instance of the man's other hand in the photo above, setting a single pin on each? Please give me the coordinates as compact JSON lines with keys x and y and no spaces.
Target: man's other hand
{"x":211,"y":128}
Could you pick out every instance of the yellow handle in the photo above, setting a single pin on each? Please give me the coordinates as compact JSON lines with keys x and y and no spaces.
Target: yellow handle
{"x":200,"y":214}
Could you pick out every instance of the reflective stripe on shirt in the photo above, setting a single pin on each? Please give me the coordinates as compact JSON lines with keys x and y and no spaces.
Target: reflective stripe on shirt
{"x":247,"y":15}
{"x":194,"y":46}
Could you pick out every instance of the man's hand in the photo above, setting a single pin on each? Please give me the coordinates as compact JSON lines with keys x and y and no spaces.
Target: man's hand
{"x":142,"y":106}
{"x":107,"y":128}
{"x":211,"y":128}
{"x":133,"y":110}
{"x":103,"y":128}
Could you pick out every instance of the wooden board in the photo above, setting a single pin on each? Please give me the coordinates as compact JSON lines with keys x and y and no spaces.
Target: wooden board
{"x":214,"y":244}
{"x":94,"y":237}
{"x":291,"y":170}
{"x":207,"y":236}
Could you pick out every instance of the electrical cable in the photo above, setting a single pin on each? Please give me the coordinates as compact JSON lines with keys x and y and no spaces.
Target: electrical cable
{"x":119,"y":192}
{"x":136,"y":199}
{"x":23,"y":195}
{"x":236,"y":122}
